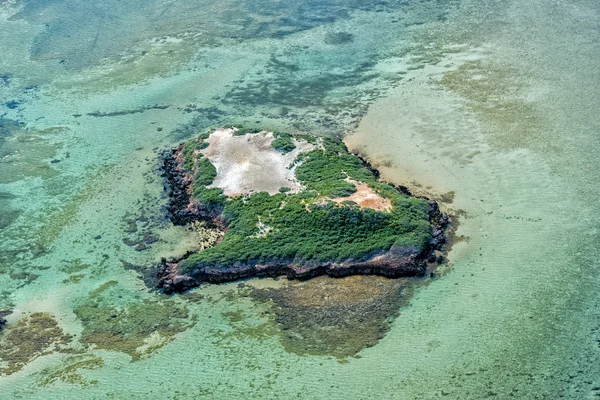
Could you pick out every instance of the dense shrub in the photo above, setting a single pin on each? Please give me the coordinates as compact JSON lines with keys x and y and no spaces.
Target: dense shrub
{"x":326,"y":170}
{"x":190,"y":146}
{"x":212,"y":198}
{"x":283,"y":142}
{"x":205,"y":172}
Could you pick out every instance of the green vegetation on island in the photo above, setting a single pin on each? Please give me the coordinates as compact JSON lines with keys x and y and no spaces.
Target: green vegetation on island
{"x":283,"y":142}
{"x":306,"y":226}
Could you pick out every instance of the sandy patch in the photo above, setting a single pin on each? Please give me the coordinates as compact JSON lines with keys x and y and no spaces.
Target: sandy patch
{"x":249,"y":163}
{"x":365,"y":197}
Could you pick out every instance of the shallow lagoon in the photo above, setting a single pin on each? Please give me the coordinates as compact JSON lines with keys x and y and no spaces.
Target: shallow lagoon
{"x":493,"y":102}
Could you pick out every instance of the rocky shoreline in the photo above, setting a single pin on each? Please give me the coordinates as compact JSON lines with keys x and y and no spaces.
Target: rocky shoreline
{"x":399,"y":261}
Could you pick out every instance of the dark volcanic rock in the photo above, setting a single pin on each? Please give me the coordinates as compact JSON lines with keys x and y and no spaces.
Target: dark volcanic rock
{"x":399,"y":261}
{"x":177,"y":189}
{"x":3,"y":321}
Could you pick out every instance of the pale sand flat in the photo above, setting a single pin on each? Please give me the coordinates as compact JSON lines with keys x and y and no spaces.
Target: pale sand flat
{"x":249,"y":163}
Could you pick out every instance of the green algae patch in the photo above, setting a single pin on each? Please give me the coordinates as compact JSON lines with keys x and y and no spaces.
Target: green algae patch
{"x":54,"y":221}
{"x":193,"y":297}
{"x":96,"y":293}
{"x":338,"y":38}
{"x":70,"y":370}
{"x":496,"y":96}
{"x":24,"y":276}
{"x":74,"y":266}
{"x":28,"y":339}
{"x":244,"y":327}
{"x":136,"y":327}
{"x":26,"y":153}
{"x":72,"y":279}
{"x":8,"y":214}
{"x":334,"y":317}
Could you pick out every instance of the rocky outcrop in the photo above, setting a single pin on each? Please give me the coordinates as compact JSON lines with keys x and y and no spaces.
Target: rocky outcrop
{"x":3,"y":321}
{"x":182,"y":209}
{"x":177,"y":186}
{"x":399,"y":261}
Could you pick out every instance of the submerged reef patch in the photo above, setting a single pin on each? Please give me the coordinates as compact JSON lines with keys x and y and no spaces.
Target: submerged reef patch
{"x":337,"y":38}
{"x":330,"y":317}
{"x":496,"y":96}
{"x":29,"y":338}
{"x":177,"y":23}
{"x":135,"y":327}
{"x":55,"y":220}
{"x":7,"y":214}
{"x":16,"y":164}
{"x":99,"y":114}
{"x":299,"y":219}
{"x":70,"y":370}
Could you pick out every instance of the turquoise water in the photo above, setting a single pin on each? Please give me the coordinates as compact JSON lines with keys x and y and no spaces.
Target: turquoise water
{"x":494,"y":101}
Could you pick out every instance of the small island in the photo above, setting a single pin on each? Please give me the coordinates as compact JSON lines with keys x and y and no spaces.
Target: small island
{"x":291,"y":204}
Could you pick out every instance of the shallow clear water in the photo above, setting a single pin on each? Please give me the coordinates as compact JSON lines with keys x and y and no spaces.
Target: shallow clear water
{"x":494,"y":101}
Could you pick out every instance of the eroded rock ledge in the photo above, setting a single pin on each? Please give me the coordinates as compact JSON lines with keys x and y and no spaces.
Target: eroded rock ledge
{"x":188,"y":204}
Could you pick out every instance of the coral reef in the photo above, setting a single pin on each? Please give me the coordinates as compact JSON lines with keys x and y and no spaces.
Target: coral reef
{"x":29,"y":338}
{"x":69,"y":372}
{"x":324,"y":316}
{"x":135,"y":328}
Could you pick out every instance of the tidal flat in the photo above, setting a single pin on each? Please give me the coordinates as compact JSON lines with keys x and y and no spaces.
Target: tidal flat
{"x":487,"y":107}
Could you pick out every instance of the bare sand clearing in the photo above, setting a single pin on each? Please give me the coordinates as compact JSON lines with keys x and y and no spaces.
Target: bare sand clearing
{"x":249,"y":163}
{"x":365,"y":197}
